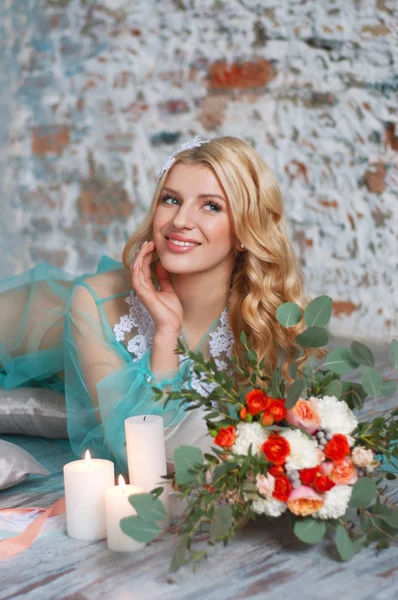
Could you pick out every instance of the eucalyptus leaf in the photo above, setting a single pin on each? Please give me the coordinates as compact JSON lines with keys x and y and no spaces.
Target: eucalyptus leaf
{"x":344,"y":544}
{"x":318,"y":312}
{"x":313,"y":337}
{"x":335,"y":388}
{"x":294,"y":393}
{"x":288,"y":314}
{"x":178,"y":556}
{"x":393,"y":352}
{"x":309,"y":530}
{"x":138,"y":529}
{"x":185,"y":458}
{"x":388,"y":387}
{"x":371,"y":381}
{"x":221,"y":522}
{"x":341,"y":361}
{"x":148,"y":508}
{"x":362,"y":354}
{"x":362,"y":492}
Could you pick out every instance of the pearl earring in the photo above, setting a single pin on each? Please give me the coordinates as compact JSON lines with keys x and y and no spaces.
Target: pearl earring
{"x":242,"y":246}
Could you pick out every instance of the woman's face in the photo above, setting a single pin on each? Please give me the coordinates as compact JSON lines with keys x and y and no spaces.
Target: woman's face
{"x":192,"y":204}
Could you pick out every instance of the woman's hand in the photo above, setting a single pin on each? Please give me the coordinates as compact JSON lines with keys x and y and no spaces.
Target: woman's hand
{"x":164,"y":306}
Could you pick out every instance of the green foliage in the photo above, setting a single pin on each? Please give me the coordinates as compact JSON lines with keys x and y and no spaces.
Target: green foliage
{"x":313,"y":337}
{"x":148,"y":507}
{"x":318,"y":312}
{"x":294,"y":393}
{"x":362,"y":354}
{"x":344,"y":545}
{"x":372,"y":381}
{"x":288,"y":314}
{"x":139,"y":530}
{"x":393,"y":352}
{"x":363,"y":492}
{"x":221,"y":522}
{"x":335,"y":388}
{"x":341,"y":361}
{"x":185,"y":458}
{"x":310,"y":531}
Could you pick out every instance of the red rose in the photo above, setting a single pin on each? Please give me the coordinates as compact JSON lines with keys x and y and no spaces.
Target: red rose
{"x":226,"y":437}
{"x":337,"y":448}
{"x":277,"y":410}
{"x":276,"y":449}
{"x":276,"y":470}
{"x":282,"y":488}
{"x":322,"y":483}
{"x":256,"y":401}
{"x":307,"y":476}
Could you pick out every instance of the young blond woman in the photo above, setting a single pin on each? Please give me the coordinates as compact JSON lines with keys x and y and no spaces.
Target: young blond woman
{"x":211,"y":259}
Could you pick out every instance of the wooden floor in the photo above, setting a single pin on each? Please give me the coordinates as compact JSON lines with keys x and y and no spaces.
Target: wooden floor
{"x":265,"y":561}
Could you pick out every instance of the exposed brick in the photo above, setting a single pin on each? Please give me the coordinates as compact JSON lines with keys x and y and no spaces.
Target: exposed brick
{"x":172,"y":107}
{"x":375,"y":178}
{"x":376,"y":29}
{"x":343,"y":307}
{"x":213,"y":111}
{"x":49,"y":138}
{"x":328,"y":203}
{"x":390,"y":136}
{"x":296,"y":169}
{"x":101,"y":200}
{"x":241,"y":75}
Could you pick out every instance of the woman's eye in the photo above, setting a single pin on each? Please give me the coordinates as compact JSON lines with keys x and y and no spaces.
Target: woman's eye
{"x":216,"y":206}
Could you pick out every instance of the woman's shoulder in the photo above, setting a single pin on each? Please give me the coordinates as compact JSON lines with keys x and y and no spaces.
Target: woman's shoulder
{"x":103,"y":286}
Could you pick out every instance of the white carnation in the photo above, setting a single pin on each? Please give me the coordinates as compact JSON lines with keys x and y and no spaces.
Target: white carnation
{"x":269,"y":506}
{"x":336,"y":415}
{"x":336,"y":502}
{"x":303,"y":450}
{"x":249,"y":433}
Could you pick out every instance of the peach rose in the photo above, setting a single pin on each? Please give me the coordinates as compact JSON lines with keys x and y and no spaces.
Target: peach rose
{"x":361,"y":457}
{"x":304,"y":414}
{"x":304,"y":501}
{"x":265,"y":484}
{"x":341,"y":472}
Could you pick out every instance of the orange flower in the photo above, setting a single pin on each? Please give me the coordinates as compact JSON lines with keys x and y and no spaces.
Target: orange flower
{"x":277,"y":409}
{"x":276,"y":449}
{"x":322,"y":483}
{"x":341,"y":471}
{"x":266,"y":419}
{"x":226,"y":437}
{"x":304,"y":414}
{"x":243,"y":413}
{"x":304,"y":501}
{"x":282,"y":488}
{"x":257,"y":401}
{"x":307,"y":476}
{"x":337,"y":448}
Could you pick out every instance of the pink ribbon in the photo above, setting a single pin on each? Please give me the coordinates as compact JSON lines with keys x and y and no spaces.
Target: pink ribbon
{"x":25,"y":539}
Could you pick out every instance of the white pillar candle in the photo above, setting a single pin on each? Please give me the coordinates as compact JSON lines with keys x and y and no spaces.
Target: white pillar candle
{"x":86,"y":482}
{"x":117,"y":506}
{"x":146,"y":454}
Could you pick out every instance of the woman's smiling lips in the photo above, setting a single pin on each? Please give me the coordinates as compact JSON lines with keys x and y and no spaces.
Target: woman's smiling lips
{"x":177,"y":247}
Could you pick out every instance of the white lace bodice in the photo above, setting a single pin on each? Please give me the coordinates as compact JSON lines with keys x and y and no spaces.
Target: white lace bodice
{"x":139,"y":322}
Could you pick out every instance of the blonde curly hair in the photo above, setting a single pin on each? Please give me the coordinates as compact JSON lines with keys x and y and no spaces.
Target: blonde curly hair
{"x":267,"y":273}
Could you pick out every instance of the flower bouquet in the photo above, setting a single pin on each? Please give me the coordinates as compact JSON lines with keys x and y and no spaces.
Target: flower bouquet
{"x":300,"y":451}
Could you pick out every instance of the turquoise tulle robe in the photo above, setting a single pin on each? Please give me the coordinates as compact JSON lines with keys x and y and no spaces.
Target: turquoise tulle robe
{"x":57,"y":331}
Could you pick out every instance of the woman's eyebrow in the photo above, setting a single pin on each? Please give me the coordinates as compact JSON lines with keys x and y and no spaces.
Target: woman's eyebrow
{"x":199,"y":196}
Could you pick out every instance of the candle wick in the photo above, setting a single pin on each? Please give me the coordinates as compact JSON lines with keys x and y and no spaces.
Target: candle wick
{"x":144,"y":418}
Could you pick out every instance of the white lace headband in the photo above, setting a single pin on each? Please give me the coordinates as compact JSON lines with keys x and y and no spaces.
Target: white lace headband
{"x":196,"y":141}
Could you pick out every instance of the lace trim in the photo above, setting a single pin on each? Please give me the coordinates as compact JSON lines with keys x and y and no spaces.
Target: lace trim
{"x":221,"y":340}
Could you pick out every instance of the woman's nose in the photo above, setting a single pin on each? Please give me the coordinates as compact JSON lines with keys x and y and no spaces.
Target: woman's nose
{"x":184,"y":217}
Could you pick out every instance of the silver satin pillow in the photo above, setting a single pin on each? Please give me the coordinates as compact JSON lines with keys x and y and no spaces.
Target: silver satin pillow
{"x":16,"y":464}
{"x":33,"y":411}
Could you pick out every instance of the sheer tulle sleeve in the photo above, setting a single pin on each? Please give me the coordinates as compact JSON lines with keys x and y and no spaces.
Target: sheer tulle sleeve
{"x":104,"y":384}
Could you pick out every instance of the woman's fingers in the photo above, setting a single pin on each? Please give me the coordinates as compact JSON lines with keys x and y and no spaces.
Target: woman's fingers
{"x":164,"y":278}
{"x":140,"y":271}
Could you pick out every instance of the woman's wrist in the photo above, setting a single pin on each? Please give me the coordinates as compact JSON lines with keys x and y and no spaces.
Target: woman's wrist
{"x":163,"y":357}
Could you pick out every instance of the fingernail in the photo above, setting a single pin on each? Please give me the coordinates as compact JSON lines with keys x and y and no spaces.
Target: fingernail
{"x":145,"y":243}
